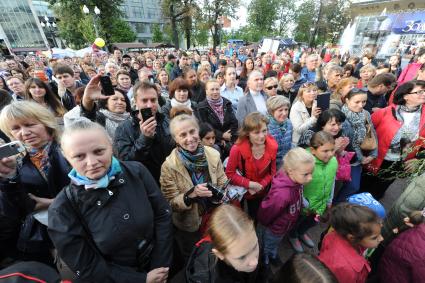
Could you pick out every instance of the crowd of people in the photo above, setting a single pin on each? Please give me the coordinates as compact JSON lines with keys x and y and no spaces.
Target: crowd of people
{"x":199,"y":165}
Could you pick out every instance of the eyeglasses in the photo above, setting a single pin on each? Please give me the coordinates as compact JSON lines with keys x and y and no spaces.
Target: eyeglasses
{"x":419,"y":92}
{"x":271,"y":87}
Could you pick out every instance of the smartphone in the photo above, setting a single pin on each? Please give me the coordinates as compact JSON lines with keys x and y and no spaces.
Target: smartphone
{"x":106,"y":84}
{"x":10,"y":149}
{"x":146,"y":113}
{"x":323,"y":101}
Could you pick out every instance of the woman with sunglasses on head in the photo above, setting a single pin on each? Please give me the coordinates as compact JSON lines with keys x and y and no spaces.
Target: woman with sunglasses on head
{"x":304,"y":111}
{"x":400,"y":131}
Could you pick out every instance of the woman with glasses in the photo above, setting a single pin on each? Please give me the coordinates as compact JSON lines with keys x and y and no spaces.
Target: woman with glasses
{"x":304,"y":112}
{"x":270,"y":86}
{"x":401,"y":133}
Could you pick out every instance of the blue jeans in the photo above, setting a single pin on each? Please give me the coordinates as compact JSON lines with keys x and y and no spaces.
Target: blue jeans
{"x":269,"y":243}
{"x":352,"y":187}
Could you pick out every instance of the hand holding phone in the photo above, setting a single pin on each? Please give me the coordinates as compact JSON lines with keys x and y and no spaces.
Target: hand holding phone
{"x":8,"y":159}
{"x":107,"y":87}
{"x":10,"y":149}
{"x":323,"y":101}
{"x":148,"y":125}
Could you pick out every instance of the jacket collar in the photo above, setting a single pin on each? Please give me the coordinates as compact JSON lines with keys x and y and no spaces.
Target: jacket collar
{"x":245,"y":147}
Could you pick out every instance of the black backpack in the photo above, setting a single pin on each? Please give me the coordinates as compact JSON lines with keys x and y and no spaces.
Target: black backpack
{"x":200,"y":267}
{"x":29,"y":272}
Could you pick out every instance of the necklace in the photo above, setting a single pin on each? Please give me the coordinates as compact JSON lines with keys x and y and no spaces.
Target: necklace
{"x":258,"y":152}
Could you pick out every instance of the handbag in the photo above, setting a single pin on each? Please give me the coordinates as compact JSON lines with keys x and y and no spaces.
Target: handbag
{"x":369,"y":142}
{"x":33,"y":237}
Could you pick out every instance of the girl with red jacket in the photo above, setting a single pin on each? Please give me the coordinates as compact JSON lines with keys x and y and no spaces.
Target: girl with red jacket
{"x":357,"y":228}
{"x":400,"y":130}
{"x":252,"y":160}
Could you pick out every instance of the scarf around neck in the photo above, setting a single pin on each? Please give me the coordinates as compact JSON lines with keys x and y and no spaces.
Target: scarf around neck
{"x":101,"y":183}
{"x":282,"y":126}
{"x":217,"y":106}
{"x":357,"y":121}
{"x":40,"y":158}
{"x":113,"y":120}
{"x":187,"y":103}
{"x":196,"y":164}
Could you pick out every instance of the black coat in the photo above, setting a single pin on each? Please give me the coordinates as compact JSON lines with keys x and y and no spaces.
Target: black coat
{"x":205,"y":114}
{"x":291,"y":94}
{"x":198,"y":92}
{"x":30,"y":180}
{"x":129,"y":144}
{"x":129,"y":210}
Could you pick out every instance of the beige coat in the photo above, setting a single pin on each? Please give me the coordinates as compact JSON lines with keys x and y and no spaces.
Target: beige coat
{"x":175,"y":182}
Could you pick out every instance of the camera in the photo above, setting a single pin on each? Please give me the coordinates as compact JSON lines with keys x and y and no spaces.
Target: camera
{"x":226,"y":194}
{"x":218,"y":194}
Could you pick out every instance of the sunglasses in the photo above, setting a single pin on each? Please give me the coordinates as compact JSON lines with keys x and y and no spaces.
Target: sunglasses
{"x":271,"y":87}
{"x":308,"y":84}
{"x":358,"y":90}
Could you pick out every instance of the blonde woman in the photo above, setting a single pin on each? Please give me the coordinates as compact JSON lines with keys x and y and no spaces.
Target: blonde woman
{"x":341,"y":91}
{"x":304,"y":112}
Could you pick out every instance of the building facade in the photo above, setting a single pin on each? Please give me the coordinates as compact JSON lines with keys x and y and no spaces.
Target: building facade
{"x":20,"y":29}
{"x":142,"y":15}
{"x":387,"y":26}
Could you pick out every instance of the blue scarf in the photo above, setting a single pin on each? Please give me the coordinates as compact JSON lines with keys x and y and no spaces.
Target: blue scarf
{"x":103,"y":182}
{"x":196,"y":164}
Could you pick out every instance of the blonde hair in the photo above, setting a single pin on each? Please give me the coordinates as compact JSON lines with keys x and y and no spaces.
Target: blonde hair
{"x":275,"y":102}
{"x":368,"y":68}
{"x":295,"y":157}
{"x":303,"y":88}
{"x":210,"y":81}
{"x":180,"y":119}
{"x":343,"y":83}
{"x":227,"y":225}
{"x":284,"y":78}
{"x":25,"y":110}
{"x":271,"y":79}
{"x":252,"y":122}
{"x":82,"y":125}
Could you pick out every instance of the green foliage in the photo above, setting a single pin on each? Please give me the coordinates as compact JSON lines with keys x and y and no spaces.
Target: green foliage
{"x":262,"y":15}
{"x":304,"y":20}
{"x":77,"y":28}
{"x":157,"y":35}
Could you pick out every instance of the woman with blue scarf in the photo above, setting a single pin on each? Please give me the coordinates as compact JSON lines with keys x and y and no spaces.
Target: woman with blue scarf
{"x":111,"y":224}
{"x":280,"y":127}
{"x":184,"y":177}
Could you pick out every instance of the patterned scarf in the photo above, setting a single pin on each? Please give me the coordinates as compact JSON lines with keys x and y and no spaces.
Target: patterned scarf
{"x":113,"y":120}
{"x":283,"y":126}
{"x":40,"y":158}
{"x":357,"y":121}
{"x":217,"y":107}
{"x":196,"y":164}
{"x":103,"y":182}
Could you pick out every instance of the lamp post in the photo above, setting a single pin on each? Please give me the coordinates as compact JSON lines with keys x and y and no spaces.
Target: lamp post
{"x":50,"y":27}
{"x":96,"y":14}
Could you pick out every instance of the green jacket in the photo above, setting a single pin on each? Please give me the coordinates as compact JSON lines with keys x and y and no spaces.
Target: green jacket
{"x":412,"y":198}
{"x":169,"y":67}
{"x":319,"y":191}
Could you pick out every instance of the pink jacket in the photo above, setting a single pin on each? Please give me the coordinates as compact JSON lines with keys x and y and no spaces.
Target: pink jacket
{"x":409,"y":73}
{"x":281,"y":208}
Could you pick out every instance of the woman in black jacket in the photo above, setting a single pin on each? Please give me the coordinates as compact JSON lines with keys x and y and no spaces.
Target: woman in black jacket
{"x":217,"y":111}
{"x":29,"y":184}
{"x":111,"y":224}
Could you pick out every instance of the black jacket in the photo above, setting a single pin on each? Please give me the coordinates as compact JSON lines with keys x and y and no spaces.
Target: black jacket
{"x":176,"y":72}
{"x":131,"y":145}
{"x":119,"y":217}
{"x":291,"y":94}
{"x":204,"y":267}
{"x":205,"y":114}
{"x":30,"y":180}
{"x":375,"y":101}
{"x":198,"y":92}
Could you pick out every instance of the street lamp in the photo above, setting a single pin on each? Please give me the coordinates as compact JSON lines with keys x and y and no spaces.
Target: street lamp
{"x":97,"y":13}
{"x":50,"y":26}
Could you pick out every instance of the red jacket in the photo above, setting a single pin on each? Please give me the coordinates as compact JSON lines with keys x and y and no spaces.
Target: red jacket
{"x":409,"y":72}
{"x":241,"y":159}
{"x":345,"y":262}
{"x":387,"y":126}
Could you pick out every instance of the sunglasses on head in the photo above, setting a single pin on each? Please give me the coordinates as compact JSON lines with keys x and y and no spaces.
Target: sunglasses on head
{"x":358,"y":90}
{"x":308,"y":84}
{"x":271,"y":87}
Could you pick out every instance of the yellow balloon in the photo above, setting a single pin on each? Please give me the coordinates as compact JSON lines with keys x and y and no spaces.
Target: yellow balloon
{"x":99,"y":42}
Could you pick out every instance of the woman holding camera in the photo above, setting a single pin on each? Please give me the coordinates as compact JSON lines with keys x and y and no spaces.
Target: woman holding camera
{"x":111,"y":110}
{"x":184,"y":178}
{"x":111,"y":224}
{"x":29,"y":184}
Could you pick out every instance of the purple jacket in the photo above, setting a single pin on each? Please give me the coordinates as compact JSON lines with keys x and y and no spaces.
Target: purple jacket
{"x":281,"y":208}
{"x":404,"y":259}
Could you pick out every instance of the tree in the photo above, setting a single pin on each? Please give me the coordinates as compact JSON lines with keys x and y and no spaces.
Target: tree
{"x":175,"y":11}
{"x":262,"y":15}
{"x":157,"y":35}
{"x":75,"y":27}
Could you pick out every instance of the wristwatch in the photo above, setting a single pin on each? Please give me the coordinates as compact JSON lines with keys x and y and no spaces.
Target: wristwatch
{"x":187,"y":200}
